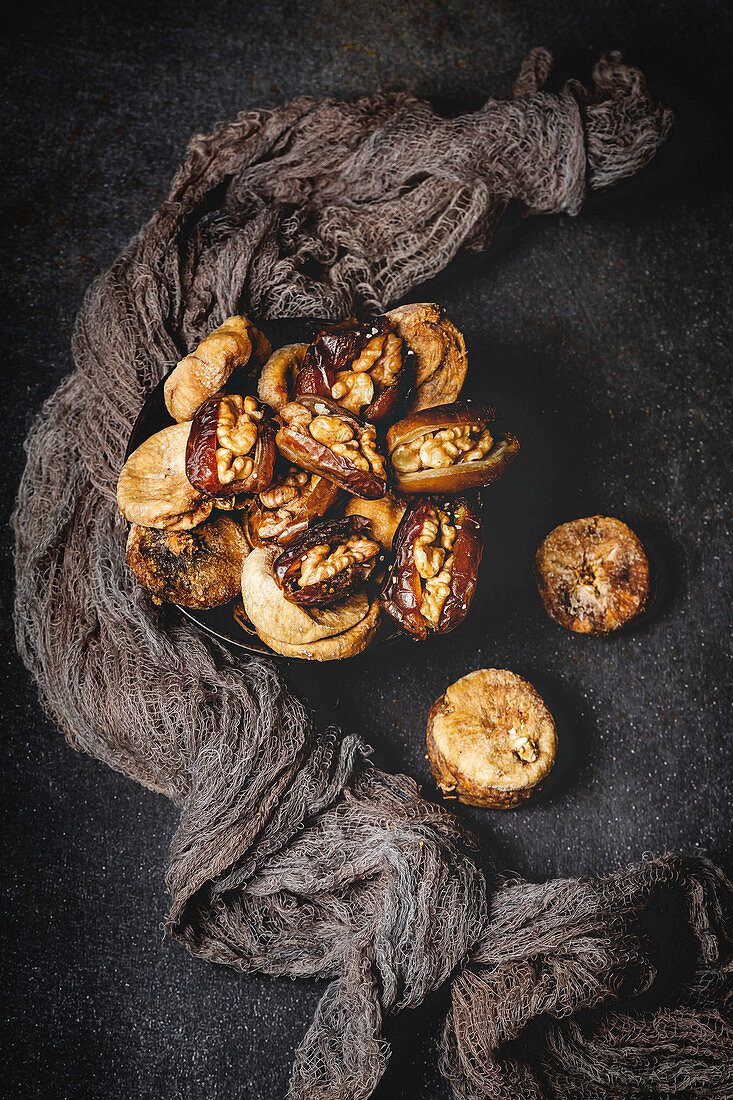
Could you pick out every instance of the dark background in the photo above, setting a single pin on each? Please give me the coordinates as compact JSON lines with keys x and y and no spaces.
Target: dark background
{"x":605,"y":341}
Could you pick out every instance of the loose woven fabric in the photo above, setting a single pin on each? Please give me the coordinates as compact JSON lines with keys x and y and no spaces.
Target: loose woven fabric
{"x":294,"y":855}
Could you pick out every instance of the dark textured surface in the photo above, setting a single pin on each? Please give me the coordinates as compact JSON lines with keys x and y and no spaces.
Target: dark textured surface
{"x":604,"y":339}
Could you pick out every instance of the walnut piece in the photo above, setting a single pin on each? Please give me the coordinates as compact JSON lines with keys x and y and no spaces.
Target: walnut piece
{"x":434,"y":562}
{"x":236,"y":435}
{"x":352,"y":439}
{"x":153,"y":490}
{"x":321,"y":562}
{"x":201,"y":374}
{"x":443,"y":448}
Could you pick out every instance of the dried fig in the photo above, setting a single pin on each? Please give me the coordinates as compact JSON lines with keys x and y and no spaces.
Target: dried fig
{"x":332,"y":559}
{"x":364,"y":366}
{"x":383,"y":514}
{"x":439,"y":349}
{"x":236,"y":344}
{"x":153,"y":490}
{"x":319,"y":436}
{"x":449,"y":448}
{"x":200,"y":568}
{"x":593,"y":575}
{"x":491,"y":740}
{"x":231,"y":448}
{"x":437,"y":553}
{"x":277,"y":381}
{"x":317,"y":634}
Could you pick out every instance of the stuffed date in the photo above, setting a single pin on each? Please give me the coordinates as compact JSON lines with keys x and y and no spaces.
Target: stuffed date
{"x":231,"y":448}
{"x":323,"y":438}
{"x":449,"y":449}
{"x":365,"y":367}
{"x":332,"y":559}
{"x":437,"y":553}
{"x":289,"y":505}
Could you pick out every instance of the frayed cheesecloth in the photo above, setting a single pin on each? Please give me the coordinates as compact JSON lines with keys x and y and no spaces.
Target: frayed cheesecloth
{"x":294,"y":854}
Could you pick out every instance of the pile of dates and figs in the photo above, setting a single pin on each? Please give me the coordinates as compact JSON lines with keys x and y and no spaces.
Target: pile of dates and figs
{"x":320,"y":488}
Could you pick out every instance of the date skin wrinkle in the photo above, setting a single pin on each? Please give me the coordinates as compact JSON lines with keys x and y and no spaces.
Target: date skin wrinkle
{"x":294,"y":855}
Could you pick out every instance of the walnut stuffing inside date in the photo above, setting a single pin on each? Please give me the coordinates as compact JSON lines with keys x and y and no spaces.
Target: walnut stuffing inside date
{"x":442,"y":448}
{"x":284,"y":510}
{"x":449,"y":448}
{"x":332,"y":559}
{"x":438,"y":548}
{"x":364,"y":366}
{"x":320,"y":436}
{"x":231,"y":448}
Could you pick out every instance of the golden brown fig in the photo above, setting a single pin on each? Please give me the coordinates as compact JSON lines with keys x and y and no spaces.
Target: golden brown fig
{"x":317,"y":634}
{"x":236,"y":344}
{"x":153,"y":490}
{"x":384,"y":515}
{"x":439,"y":349}
{"x":449,"y":448}
{"x":593,"y":575}
{"x":491,"y":740}
{"x":200,"y":568}
{"x":277,"y":380}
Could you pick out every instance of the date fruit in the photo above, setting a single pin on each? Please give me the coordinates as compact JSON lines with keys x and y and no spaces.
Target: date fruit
{"x":364,"y":366}
{"x":320,"y":436}
{"x":287,"y":507}
{"x":231,"y":448}
{"x":437,"y":553}
{"x":448,"y":449}
{"x":327,"y":563}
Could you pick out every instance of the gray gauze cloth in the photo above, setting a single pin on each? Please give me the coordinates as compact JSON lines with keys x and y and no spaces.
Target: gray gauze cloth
{"x":294,"y":855}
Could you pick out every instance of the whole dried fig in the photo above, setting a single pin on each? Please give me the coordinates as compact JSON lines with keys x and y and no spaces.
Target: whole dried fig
{"x":200,"y":568}
{"x":277,"y":381}
{"x":236,"y":344}
{"x":491,"y":740}
{"x":317,"y":634}
{"x":439,"y":350}
{"x":153,"y":490}
{"x":593,"y":575}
